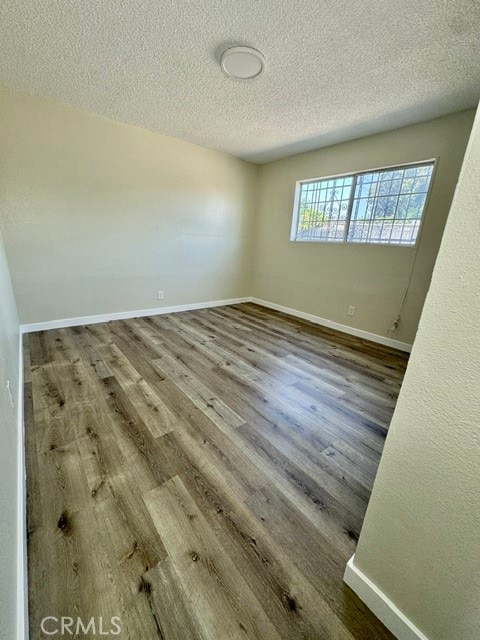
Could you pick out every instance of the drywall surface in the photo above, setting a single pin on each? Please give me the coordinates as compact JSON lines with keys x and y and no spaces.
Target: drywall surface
{"x":9,"y":368}
{"x":324,"y":279}
{"x":420,"y":541}
{"x":98,"y":216}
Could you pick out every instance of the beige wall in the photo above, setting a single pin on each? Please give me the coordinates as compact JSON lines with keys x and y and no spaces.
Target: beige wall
{"x":9,"y":367}
{"x":420,"y":541}
{"x":324,"y":279}
{"x":97,"y":215}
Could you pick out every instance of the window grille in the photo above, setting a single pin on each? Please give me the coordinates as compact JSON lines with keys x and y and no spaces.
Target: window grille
{"x":384,"y":206}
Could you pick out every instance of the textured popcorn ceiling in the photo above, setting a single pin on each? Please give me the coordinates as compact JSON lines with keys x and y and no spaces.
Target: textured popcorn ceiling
{"x":336,"y":69}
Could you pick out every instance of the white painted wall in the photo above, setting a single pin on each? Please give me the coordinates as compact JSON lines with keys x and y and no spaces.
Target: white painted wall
{"x":98,"y":215}
{"x":325,"y":279}
{"x":9,"y":371}
{"x":420,"y":542}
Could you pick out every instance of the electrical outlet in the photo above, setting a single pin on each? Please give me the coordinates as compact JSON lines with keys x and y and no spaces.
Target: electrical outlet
{"x":351,"y":310}
{"x":10,"y":394}
{"x":160,"y":295}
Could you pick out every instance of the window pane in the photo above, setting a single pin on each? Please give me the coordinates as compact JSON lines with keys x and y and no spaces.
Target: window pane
{"x":388,"y":205}
{"x":323,"y":208}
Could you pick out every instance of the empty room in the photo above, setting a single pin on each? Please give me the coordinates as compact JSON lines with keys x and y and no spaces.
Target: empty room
{"x":239,"y":302}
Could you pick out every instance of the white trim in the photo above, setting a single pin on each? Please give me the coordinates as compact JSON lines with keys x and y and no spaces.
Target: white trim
{"x":124,"y":315}
{"x":359,"y":333}
{"x":385,"y":610}
{"x":22,"y":574}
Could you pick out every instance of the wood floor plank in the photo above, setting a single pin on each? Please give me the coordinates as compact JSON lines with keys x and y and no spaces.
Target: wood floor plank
{"x":293,"y":602}
{"x":34,"y":495}
{"x":317,"y":553}
{"x":203,"y":475}
{"x":27,"y":363}
{"x":270,"y":509}
{"x":116,"y":475}
{"x":220,"y":600}
{"x":289,"y":601}
{"x":89,"y":345}
{"x":61,"y":346}
{"x":154,"y":413}
{"x":128,"y":562}
{"x":136,"y":436}
{"x":169,"y":603}
{"x":269,"y":522}
{"x":39,"y":353}
{"x":219,"y":412}
{"x":276,"y":388}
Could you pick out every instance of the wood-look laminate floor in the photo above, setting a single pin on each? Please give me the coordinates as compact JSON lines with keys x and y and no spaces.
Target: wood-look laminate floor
{"x":203,"y":475}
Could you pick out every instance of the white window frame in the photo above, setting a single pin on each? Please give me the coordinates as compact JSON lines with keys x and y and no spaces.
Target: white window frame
{"x":354,"y":175}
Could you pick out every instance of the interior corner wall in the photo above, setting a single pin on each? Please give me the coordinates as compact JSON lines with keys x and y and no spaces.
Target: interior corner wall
{"x":325,"y":279}
{"x":98,"y":216}
{"x":9,"y":374}
{"x":420,"y":541}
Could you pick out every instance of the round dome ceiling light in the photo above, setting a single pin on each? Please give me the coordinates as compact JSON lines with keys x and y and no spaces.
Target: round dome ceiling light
{"x":243,"y":63}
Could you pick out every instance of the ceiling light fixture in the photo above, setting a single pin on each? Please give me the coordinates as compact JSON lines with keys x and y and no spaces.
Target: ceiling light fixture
{"x":243,"y":63}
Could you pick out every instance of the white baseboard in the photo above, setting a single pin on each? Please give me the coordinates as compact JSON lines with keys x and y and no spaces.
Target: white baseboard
{"x":359,"y":333}
{"x":385,"y":610}
{"x":124,"y":315}
{"x":22,"y":574}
